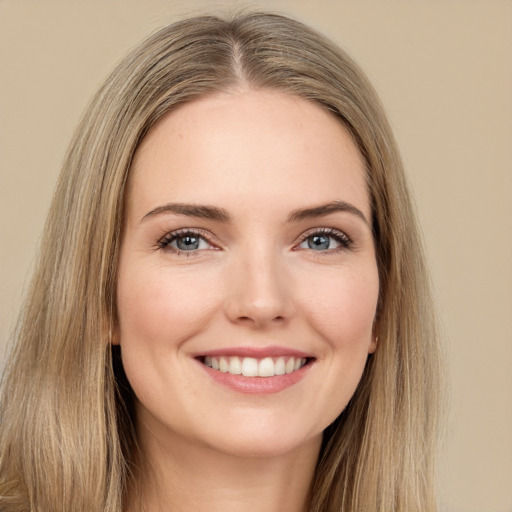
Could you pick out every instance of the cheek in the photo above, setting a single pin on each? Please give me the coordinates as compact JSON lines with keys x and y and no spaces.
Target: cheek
{"x":162,"y":308}
{"x":344,"y":306}
{"x":339,"y":305}
{"x":158,"y":311}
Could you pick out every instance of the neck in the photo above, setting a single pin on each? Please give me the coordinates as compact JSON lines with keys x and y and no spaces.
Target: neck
{"x":180,"y":476}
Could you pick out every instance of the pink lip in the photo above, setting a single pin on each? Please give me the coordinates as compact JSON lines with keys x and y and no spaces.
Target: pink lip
{"x":256,"y":352}
{"x":256,"y":385}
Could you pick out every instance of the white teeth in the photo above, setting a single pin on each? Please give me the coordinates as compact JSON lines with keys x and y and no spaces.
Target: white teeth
{"x":266,"y":367}
{"x":223,"y":365}
{"x":280,"y":366}
{"x":235,"y":366}
{"x":249,"y":367}
{"x":252,"y":367}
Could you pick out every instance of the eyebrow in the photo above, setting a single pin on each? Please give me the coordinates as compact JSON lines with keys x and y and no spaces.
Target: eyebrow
{"x":190,"y":210}
{"x":326,"y":209}
{"x":222,"y":215}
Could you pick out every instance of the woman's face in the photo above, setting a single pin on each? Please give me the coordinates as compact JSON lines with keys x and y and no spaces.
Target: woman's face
{"x":247,"y":247}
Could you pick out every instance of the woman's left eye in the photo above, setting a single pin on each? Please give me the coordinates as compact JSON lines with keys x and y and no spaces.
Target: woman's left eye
{"x":325,"y":241}
{"x":184,"y":242}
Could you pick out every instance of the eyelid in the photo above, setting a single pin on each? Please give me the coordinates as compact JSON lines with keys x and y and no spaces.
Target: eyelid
{"x":164,"y":242}
{"x":345,"y":241}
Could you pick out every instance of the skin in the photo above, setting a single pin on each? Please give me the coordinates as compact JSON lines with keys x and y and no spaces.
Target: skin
{"x":253,"y":282}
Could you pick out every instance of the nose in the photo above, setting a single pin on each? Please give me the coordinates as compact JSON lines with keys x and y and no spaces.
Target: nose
{"x":260,"y":292}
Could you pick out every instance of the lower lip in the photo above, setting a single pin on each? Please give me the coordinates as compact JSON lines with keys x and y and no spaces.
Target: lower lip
{"x":257,"y":385}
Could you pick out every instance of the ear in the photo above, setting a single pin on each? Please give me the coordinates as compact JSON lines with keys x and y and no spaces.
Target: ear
{"x":375,"y":338}
{"x":114,"y":334}
{"x":373,"y":344}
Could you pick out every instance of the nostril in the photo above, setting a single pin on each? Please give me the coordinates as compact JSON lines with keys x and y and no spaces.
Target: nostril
{"x":256,"y":320}
{"x":258,"y":311}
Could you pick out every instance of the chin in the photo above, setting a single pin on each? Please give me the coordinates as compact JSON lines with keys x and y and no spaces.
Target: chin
{"x":270,"y":446}
{"x":263,"y":439}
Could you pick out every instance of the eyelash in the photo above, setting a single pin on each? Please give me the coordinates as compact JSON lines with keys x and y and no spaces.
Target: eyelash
{"x":165,"y":242}
{"x":342,"y":238}
{"x":345,"y":242}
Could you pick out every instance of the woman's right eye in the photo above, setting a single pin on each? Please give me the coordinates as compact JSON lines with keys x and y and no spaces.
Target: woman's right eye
{"x":184,"y":242}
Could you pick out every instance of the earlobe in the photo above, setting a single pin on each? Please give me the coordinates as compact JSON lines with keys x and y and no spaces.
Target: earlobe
{"x":375,"y":337}
{"x":113,"y":337}
{"x":373,"y":344}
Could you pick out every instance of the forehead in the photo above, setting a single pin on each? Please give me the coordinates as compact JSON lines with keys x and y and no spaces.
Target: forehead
{"x":247,"y":148}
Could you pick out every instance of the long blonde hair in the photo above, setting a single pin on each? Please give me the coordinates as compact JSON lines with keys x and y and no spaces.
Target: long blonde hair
{"x":66,"y":437}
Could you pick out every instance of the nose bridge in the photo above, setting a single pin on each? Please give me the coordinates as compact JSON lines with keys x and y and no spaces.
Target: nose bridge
{"x":260,"y":292}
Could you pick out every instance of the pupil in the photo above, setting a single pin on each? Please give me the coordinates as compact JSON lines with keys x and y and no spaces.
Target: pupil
{"x":318,"y":242}
{"x":188,"y":243}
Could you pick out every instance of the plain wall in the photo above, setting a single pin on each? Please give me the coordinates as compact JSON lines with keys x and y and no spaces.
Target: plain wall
{"x":444,"y":72}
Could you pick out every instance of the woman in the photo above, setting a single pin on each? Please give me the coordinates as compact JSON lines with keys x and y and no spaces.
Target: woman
{"x":231,"y":307}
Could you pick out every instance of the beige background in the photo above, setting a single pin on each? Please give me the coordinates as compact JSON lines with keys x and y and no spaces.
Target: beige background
{"x":444,"y":71}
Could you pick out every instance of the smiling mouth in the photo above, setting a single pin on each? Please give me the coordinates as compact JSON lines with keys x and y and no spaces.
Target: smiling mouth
{"x":253,"y":367}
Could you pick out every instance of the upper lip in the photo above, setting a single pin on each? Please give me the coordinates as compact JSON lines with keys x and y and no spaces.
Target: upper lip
{"x":256,"y":352}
